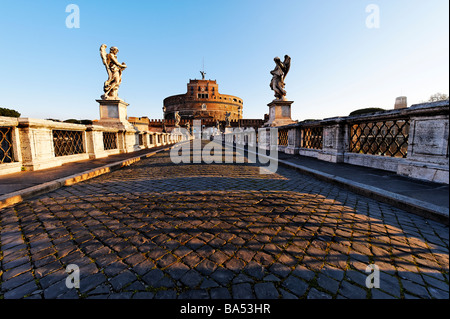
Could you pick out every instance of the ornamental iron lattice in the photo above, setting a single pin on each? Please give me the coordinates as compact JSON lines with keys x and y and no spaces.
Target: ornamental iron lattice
{"x":109,"y":141}
{"x":384,"y":138}
{"x":283,"y":137}
{"x":6,"y":145}
{"x":312,"y":137}
{"x":67,"y":142}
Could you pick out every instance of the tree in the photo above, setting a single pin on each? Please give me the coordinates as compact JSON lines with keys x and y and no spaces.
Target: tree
{"x":9,"y":112}
{"x":438,"y":97}
{"x":74,"y":121}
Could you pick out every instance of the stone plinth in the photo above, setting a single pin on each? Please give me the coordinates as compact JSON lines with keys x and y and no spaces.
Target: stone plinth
{"x":279,"y":113}
{"x":113,"y":113}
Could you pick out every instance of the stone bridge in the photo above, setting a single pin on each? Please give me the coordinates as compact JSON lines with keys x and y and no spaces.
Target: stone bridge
{"x":155,"y":229}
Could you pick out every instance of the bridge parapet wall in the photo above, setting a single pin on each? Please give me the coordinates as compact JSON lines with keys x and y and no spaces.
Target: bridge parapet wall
{"x":34,"y":144}
{"x":412,"y":142}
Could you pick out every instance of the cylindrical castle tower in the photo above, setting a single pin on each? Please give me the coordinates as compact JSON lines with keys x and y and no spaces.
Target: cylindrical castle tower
{"x":203,"y":101}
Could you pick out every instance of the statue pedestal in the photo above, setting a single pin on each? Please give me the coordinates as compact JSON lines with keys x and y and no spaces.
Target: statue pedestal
{"x":113,"y":113}
{"x":279,"y":113}
{"x":176,"y":130}
{"x":228,"y":130}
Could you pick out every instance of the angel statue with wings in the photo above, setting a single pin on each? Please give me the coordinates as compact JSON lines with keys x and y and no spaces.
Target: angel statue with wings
{"x":177,"y":119}
{"x":114,"y":69}
{"x":278,"y":76}
{"x":227,"y":119}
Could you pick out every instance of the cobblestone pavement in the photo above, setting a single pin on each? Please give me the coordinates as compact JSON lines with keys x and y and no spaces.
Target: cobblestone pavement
{"x":160,"y":230}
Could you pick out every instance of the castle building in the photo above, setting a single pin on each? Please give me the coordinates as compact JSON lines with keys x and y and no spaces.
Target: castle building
{"x":203,"y":101}
{"x":401,"y":103}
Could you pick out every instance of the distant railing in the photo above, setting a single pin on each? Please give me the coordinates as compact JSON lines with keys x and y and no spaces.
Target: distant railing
{"x":67,"y":142}
{"x":383,"y":138}
{"x":6,"y":145}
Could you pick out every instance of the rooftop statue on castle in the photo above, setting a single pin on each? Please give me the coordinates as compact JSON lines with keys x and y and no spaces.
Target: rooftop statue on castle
{"x":114,"y":69}
{"x":278,"y":76}
{"x":177,"y":119}
{"x":227,"y":119}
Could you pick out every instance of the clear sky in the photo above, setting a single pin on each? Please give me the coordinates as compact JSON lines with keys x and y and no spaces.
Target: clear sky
{"x":338,"y":63}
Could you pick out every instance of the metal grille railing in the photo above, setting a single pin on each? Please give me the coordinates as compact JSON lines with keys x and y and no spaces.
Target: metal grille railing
{"x":67,"y":142}
{"x":312,"y":137}
{"x":109,"y":141}
{"x":6,"y":145}
{"x":283,"y":137}
{"x":384,"y":138}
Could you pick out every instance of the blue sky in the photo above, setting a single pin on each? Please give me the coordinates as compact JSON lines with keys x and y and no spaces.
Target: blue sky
{"x":338,"y":64}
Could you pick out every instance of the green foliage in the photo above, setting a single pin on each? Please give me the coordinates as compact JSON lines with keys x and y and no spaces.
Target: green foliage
{"x":86,"y":122}
{"x":9,"y":112}
{"x":74,"y":121}
{"x":366,"y":111}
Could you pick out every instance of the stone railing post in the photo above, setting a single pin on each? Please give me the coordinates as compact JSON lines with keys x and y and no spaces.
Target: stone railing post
{"x":334,"y":140}
{"x":428,"y":147}
{"x":131,"y":139}
{"x":10,"y":129}
{"x":294,"y":140}
{"x":121,"y":141}
{"x":268,"y":138}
